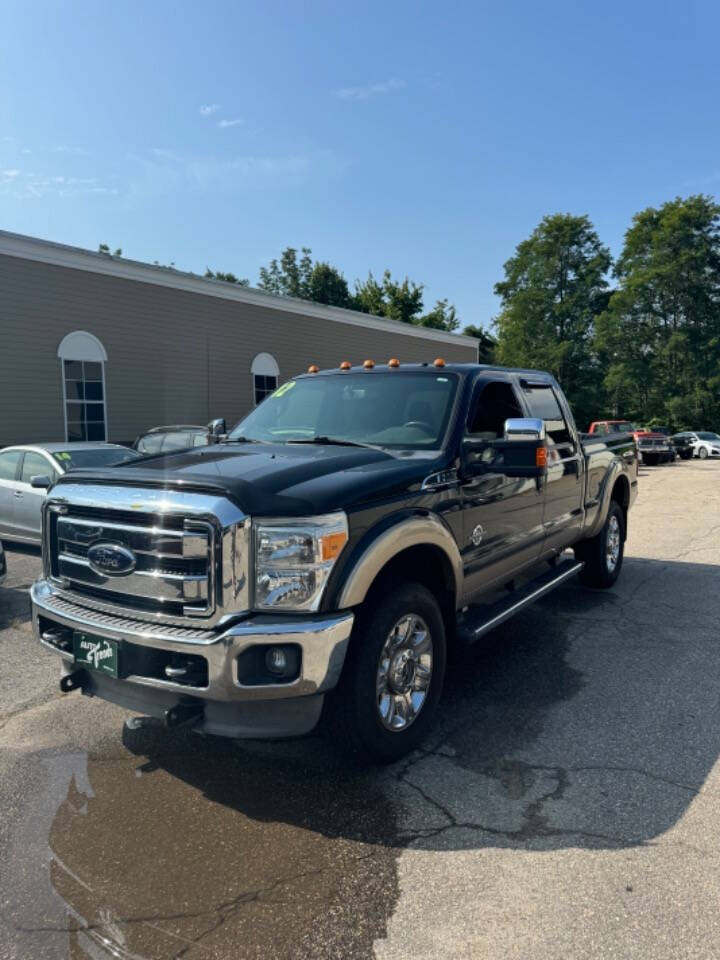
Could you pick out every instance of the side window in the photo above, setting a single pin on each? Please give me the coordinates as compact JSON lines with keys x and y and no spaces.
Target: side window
{"x":493,"y":404}
{"x":35,"y":465}
{"x":8,"y":464}
{"x":200,"y":440}
{"x":601,"y":429}
{"x":544,"y":405}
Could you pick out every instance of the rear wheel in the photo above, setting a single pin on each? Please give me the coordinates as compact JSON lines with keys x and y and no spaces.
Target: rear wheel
{"x":393,"y":676}
{"x":603,"y":554}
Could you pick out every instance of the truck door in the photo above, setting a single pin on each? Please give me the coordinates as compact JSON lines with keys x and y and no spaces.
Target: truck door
{"x":565,"y":480}
{"x":502,"y":516}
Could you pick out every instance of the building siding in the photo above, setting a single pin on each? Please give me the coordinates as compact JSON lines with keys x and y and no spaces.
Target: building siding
{"x":174,"y":356}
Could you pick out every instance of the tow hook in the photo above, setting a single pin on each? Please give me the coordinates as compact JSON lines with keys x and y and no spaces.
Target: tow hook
{"x":183,"y":713}
{"x":77,"y":680}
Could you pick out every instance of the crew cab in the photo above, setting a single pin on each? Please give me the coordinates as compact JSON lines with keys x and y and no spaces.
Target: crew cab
{"x":318,"y":563}
{"x":653,"y":447}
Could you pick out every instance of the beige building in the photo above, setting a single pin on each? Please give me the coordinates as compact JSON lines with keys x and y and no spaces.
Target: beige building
{"x":100,"y":347}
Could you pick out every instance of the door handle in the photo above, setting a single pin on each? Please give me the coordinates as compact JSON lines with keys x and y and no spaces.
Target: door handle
{"x":18,"y":494}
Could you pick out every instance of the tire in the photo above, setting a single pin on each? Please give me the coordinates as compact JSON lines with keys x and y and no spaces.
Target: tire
{"x":359,"y":701}
{"x":650,"y":460}
{"x":603,"y":554}
{"x":702,"y":453}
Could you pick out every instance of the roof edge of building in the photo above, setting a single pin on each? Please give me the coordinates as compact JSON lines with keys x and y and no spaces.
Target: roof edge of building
{"x":77,"y":258}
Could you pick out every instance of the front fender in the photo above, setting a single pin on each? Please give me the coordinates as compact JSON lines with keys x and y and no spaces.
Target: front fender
{"x":416,"y":530}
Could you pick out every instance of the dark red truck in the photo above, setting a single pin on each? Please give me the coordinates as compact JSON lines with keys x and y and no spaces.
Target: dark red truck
{"x":653,"y":447}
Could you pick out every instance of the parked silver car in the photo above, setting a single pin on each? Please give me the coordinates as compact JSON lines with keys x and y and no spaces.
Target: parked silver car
{"x":21,"y":500}
{"x":3,"y":563}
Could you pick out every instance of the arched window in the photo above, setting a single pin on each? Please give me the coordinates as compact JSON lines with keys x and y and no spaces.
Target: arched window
{"x":265,"y":372}
{"x":82,"y":358}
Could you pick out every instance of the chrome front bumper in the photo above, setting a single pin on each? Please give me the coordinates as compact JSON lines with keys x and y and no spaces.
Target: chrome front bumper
{"x":323,"y":641}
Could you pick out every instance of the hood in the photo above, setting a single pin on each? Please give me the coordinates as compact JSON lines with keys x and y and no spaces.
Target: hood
{"x":275,"y":479}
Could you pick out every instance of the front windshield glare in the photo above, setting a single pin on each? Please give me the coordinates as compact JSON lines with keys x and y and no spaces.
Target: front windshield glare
{"x":406,"y":410}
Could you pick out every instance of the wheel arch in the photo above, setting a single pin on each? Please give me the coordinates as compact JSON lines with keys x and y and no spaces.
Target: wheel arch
{"x":419,"y":548}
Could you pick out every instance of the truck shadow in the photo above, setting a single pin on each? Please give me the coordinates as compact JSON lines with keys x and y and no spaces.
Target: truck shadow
{"x":589,"y":721}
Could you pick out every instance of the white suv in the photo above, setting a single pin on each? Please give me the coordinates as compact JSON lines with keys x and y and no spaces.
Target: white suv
{"x":704,"y":443}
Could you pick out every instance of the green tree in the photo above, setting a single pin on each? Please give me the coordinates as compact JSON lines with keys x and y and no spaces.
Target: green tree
{"x":660,"y":336}
{"x":555,"y":286}
{"x":328,"y":285}
{"x":443,"y":316}
{"x":390,"y":298}
{"x":227,"y":277}
{"x":289,"y":277}
{"x":301,"y":277}
{"x":487,"y":344}
{"x":104,"y":248}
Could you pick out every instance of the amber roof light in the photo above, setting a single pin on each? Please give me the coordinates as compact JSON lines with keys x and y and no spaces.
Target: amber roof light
{"x":369,"y":364}
{"x":438,"y":362}
{"x":394,"y":362}
{"x":345,"y":365}
{"x":313,"y":368}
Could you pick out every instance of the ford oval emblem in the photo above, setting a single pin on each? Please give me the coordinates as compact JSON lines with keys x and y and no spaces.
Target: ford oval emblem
{"x":111,"y":560}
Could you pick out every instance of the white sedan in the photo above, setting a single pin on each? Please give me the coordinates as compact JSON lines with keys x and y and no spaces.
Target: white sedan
{"x":21,"y":499}
{"x":704,"y":444}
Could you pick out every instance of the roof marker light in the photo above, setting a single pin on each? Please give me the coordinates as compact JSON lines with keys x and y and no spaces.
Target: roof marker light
{"x":369,"y":364}
{"x":313,"y":368}
{"x":438,"y":362}
{"x":394,"y":362}
{"x":345,"y":365}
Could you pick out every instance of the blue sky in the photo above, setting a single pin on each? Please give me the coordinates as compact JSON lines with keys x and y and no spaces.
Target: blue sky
{"x":426,"y":137}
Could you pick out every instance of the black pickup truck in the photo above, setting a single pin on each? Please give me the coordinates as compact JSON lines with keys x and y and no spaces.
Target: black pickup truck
{"x":320,"y":561}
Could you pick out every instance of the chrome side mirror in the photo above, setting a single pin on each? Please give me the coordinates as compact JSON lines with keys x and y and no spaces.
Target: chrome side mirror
{"x":217,"y":428}
{"x":524,"y":430}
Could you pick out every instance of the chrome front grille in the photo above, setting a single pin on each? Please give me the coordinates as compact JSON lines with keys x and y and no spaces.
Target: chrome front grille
{"x":180,"y":546}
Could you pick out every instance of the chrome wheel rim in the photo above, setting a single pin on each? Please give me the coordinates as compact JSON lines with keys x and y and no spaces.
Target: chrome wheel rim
{"x":404,"y":673}
{"x":612,"y":546}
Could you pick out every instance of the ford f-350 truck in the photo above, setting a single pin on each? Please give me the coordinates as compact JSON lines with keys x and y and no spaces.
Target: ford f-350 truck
{"x":321,"y":560}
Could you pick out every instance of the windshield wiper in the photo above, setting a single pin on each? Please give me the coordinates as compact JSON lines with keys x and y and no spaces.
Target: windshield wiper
{"x":331,"y":441}
{"x":242,"y":440}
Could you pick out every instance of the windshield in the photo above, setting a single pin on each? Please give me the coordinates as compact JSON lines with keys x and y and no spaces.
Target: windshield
{"x":408,"y":410}
{"x":624,"y":426}
{"x":94,"y":457}
{"x":708,"y":436}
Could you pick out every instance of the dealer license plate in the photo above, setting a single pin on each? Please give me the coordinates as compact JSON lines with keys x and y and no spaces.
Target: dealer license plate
{"x":98,"y":653}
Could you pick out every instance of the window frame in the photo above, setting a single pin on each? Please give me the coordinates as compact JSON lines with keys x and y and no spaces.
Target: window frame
{"x":21,"y":456}
{"x":80,"y":346}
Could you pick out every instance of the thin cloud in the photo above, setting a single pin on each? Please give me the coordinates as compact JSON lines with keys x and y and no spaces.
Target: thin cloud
{"x":369,"y":90}
{"x":223,"y":124}
{"x":74,"y":151}
{"x":209,"y":108}
{"x":27,"y":185}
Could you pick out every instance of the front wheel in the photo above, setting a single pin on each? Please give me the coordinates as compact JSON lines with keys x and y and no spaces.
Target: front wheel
{"x":393,"y":676}
{"x":702,"y":453}
{"x":603,"y":554}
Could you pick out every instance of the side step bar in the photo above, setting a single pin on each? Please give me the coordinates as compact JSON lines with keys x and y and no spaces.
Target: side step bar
{"x":477,"y":621}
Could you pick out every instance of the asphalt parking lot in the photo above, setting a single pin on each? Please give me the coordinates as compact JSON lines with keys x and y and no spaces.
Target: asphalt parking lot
{"x":568,"y":806}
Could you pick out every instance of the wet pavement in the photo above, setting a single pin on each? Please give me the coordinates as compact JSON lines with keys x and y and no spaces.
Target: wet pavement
{"x":567,"y":805}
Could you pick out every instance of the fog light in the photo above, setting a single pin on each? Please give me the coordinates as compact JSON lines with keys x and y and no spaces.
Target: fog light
{"x":276,"y":660}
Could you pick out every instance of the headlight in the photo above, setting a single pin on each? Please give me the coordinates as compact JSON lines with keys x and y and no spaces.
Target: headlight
{"x":294,"y":559}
